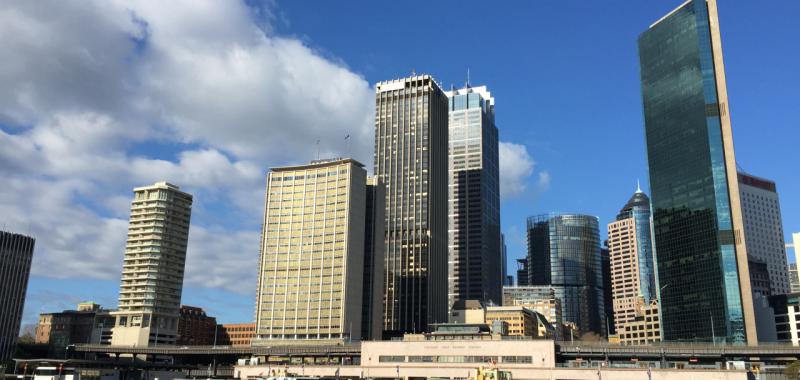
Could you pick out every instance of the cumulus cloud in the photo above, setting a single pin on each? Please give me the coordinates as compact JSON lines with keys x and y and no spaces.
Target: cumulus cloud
{"x":516,"y":166}
{"x":86,"y":85}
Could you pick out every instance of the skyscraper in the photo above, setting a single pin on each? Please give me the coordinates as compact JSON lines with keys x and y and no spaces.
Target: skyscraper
{"x":564,"y":253}
{"x":474,"y":243}
{"x":697,"y":219}
{"x":152,"y":271}
{"x":312,"y":264}
{"x":508,"y":280}
{"x":411,"y":160}
{"x":372,"y":300}
{"x":16,"y":253}
{"x":633,"y":282}
{"x":763,"y":226}
{"x":794,"y":278}
{"x":522,"y":272}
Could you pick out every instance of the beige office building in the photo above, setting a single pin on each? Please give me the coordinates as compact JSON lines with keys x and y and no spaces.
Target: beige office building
{"x":633,"y":286}
{"x":152,"y":272}
{"x":541,"y":299}
{"x":624,"y":271}
{"x":521,"y":320}
{"x":645,"y":328}
{"x":311,"y":278}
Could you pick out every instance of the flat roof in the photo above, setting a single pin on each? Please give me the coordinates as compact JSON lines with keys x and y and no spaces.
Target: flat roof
{"x":318,"y":164}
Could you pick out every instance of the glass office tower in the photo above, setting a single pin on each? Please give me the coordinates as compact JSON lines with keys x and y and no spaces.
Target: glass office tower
{"x":474,"y":244}
{"x":564,"y":253}
{"x":701,"y":258}
{"x":638,"y":209}
{"x":411,"y":160}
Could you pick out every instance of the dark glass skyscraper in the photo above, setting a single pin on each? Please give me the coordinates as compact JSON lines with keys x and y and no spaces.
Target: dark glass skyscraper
{"x":699,"y":240}
{"x":564,"y":253}
{"x":411,"y":160}
{"x":475,"y":263}
{"x":16,"y":253}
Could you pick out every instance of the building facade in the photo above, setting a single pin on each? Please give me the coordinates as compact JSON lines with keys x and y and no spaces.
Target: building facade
{"x":311,"y":278}
{"x":794,"y":278}
{"x":633,"y":283}
{"x":522,"y":272}
{"x":697,"y":219}
{"x":372,"y":290}
{"x":16,"y":253}
{"x":508,"y":280}
{"x":608,"y":307}
{"x":236,"y":334}
{"x":520,"y":320}
{"x":411,"y":120}
{"x":475,"y":249}
{"x":195,"y":328}
{"x":83,"y":325}
{"x":154,"y":262}
{"x":763,"y":226}
{"x":564,"y":253}
{"x":541,"y":299}
{"x":645,"y":328}
{"x":787,"y":317}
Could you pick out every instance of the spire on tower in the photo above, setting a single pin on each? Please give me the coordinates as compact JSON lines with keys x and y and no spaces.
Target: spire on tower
{"x":638,"y":188}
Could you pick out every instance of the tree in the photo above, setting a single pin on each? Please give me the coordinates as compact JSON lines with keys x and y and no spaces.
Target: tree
{"x":28,"y":334}
{"x":792,"y":371}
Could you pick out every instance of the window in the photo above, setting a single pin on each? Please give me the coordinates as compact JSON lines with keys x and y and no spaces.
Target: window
{"x":391,"y":359}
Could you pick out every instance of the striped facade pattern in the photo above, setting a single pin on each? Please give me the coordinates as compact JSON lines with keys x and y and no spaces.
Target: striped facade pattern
{"x":16,"y":252}
{"x":411,"y":118}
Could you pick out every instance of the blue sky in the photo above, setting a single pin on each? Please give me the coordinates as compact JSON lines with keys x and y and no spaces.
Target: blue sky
{"x":197,"y":98}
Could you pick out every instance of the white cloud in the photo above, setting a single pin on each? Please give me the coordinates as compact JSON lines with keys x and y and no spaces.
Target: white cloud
{"x":85,"y":84}
{"x":543,"y":181}
{"x":516,"y":166}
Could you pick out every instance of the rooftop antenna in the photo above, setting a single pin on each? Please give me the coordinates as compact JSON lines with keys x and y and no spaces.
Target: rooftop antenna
{"x":467,"y":77}
{"x":638,"y":188}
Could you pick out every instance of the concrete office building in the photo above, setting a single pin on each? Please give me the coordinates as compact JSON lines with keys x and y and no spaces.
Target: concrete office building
{"x":411,"y":120}
{"x":787,"y":317}
{"x":541,"y":299}
{"x":475,"y":262}
{"x":521,"y":321}
{"x":701,"y":250}
{"x":310,"y":288}
{"x":644,"y":328}
{"x":16,"y":253}
{"x":794,"y":278}
{"x":763,"y":226}
{"x":633,"y":283}
{"x":564,"y":253}
{"x":152,"y":272}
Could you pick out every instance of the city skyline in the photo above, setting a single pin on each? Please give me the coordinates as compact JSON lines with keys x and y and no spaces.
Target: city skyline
{"x":174,"y":161}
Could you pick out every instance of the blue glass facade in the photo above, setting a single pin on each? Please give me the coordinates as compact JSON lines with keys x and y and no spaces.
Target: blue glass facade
{"x":638,"y":208}
{"x":694,"y":238}
{"x":564,"y":253}
{"x":475,"y":253}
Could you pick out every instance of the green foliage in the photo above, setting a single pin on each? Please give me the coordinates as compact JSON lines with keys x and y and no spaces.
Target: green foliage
{"x":792,"y":371}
